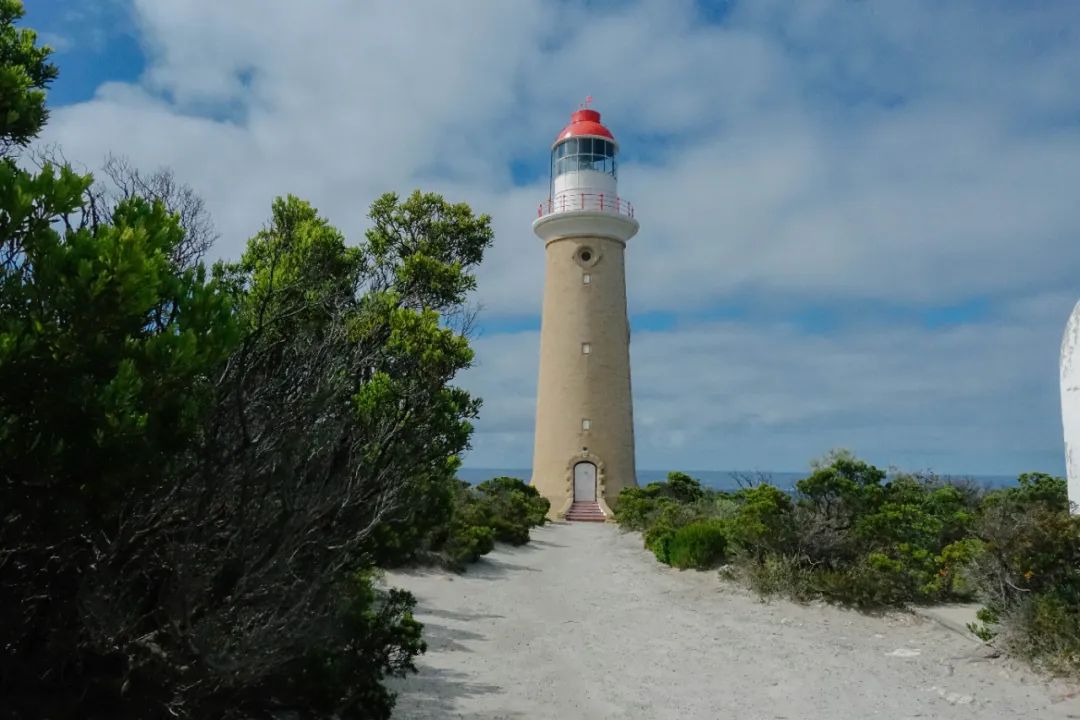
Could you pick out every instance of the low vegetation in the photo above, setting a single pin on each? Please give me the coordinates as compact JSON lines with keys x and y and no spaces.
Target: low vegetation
{"x":502,"y":509}
{"x":850,"y":534}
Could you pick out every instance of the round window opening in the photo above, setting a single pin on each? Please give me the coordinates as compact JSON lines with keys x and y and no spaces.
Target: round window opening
{"x":586,"y":257}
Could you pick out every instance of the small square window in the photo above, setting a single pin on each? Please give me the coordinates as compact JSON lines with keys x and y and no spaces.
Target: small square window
{"x":586,"y":279}
{"x":586,"y":424}
{"x":586,"y":348}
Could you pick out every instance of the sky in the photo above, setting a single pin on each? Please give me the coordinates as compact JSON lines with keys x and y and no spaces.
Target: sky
{"x":859,"y":220}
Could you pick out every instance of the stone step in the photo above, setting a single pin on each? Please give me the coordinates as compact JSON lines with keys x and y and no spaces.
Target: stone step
{"x":586,"y":512}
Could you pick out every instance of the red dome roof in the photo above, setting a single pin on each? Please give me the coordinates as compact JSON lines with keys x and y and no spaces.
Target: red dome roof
{"x":584,"y":122}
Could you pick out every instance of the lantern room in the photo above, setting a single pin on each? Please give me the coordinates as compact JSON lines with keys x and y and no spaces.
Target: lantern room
{"x":583,"y":197}
{"x":584,"y":170}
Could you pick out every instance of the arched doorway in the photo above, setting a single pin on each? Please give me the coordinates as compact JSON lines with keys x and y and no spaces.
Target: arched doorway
{"x":584,"y":482}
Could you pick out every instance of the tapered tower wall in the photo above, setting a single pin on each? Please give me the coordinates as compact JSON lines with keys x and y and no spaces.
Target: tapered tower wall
{"x":584,"y":412}
{"x":584,"y":372}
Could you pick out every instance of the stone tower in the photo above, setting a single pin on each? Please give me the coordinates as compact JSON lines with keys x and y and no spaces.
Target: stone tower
{"x":584,"y":449}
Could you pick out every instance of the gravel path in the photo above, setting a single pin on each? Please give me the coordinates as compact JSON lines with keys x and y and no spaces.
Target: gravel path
{"x":582,"y":623}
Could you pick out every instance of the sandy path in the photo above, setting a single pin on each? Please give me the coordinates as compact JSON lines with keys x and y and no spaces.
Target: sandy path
{"x":582,"y":623}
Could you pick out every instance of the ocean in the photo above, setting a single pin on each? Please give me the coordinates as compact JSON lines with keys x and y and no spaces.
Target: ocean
{"x":717,"y":479}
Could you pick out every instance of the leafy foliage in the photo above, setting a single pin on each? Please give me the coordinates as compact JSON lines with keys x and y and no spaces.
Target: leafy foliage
{"x":378,"y":637}
{"x":195,"y":464}
{"x":25,"y":74}
{"x":639,"y":508}
{"x":516,"y":502}
{"x":199,"y":468}
{"x":501,"y":509}
{"x":701,"y":544}
{"x":846,"y":533}
{"x":173,"y":440}
{"x":98,"y":335}
{"x":1028,"y":571}
{"x":762,"y":522}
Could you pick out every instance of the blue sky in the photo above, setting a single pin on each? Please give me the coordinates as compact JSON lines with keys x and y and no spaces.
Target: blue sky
{"x":94,"y":43}
{"x":858,"y":219}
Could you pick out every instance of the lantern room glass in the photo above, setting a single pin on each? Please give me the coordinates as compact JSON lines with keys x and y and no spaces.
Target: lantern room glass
{"x":583,"y":153}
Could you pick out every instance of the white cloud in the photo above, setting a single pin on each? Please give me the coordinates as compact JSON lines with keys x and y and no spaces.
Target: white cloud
{"x":823,"y":152}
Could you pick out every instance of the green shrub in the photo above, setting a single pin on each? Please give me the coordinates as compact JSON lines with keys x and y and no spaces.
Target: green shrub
{"x":403,"y":539}
{"x":668,"y":517}
{"x":378,"y":638}
{"x":848,"y":533}
{"x":468,"y":534}
{"x":501,"y":509}
{"x":512,"y":508}
{"x":701,"y":545}
{"x":779,"y":574}
{"x":876,"y":580}
{"x":682,"y":488}
{"x":763,"y":523}
{"x":467,"y":543}
{"x":954,"y":576}
{"x":1027,"y":571}
{"x":1031,"y":543}
{"x":872,"y":542}
{"x":635,"y":508}
{"x":1040,"y":489}
{"x":641,"y":508}
{"x":1046,"y":630}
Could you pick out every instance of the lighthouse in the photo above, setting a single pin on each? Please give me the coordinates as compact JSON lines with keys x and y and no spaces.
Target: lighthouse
{"x":583,"y":453}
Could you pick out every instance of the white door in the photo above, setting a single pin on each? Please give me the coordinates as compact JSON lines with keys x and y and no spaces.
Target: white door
{"x":584,"y":482}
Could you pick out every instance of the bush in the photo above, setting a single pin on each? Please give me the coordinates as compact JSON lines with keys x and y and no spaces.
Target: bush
{"x":701,"y":545}
{"x":872,"y":542}
{"x":763,"y":523}
{"x":520,"y":503}
{"x":847,"y":533}
{"x":779,"y":574}
{"x":378,"y":638}
{"x":1028,"y":572}
{"x":635,"y":508}
{"x":682,"y":488}
{"x":641,"y":508}
{"x":501,"y":509}
{"x":667,"y":517}
{"x":467,"y":543}
{"x":194,"y":462}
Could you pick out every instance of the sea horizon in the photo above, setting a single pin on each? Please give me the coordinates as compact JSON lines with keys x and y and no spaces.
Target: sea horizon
{"x":724,"y":479}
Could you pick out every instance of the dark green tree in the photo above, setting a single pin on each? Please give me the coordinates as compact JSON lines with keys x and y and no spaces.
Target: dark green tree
{"x":106,"y":358}
{"x":25,"y":74}
{"x":193,"y":465}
